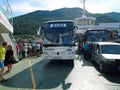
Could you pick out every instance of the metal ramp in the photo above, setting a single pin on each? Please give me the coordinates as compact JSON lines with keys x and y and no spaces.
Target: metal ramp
{"x":6,"y":26}
{"x":10,"y":41}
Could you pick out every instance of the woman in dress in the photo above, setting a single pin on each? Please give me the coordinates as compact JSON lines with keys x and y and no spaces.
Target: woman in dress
{"x":9,"y":58}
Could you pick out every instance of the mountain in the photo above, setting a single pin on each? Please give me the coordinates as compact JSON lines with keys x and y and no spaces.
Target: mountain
{"x":114,"y":15}
{"x":29,"y":23}
{"x":104,"y":18}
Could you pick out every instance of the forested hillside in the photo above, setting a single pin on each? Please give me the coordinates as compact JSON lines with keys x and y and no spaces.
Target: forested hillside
{"x":29,"y":23}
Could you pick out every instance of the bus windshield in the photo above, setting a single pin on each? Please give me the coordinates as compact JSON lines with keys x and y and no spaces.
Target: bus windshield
{"x":59,"y":33}
{"x":97,"y":35}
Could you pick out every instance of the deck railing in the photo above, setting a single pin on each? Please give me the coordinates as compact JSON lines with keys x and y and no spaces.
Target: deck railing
{"x":5,"y":8}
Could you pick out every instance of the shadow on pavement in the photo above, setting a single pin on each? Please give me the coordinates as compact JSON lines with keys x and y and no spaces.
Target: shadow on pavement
{"x":84,"y":62}
{"x":110,"y":76}
{"x":55,"y":73}
{"x":48,"y":75}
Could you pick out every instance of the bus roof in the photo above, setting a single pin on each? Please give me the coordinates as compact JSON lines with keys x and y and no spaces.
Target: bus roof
{"x":97,"y":29}
{"x":59,"y":21}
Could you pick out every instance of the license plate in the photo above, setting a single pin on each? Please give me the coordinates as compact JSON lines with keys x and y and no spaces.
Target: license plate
{"x":57,"y":57}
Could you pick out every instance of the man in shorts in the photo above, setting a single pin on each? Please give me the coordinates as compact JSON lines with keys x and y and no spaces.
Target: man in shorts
{"x":2,"y":58}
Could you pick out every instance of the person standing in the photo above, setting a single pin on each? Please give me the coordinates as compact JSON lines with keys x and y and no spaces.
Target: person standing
{"x":38,"y":49}
{"x":86,"y":50}
{"x":9,"y":58}
{"x":2,"y":58}
{"x":24,"y":50}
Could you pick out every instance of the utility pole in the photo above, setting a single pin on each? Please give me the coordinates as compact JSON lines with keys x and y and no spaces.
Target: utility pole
{"x":84,"y":14}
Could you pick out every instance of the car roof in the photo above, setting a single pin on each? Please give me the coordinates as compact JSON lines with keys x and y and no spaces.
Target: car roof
{"x":106,"y":43}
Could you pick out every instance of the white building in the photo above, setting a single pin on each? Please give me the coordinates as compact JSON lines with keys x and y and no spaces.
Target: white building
{"x":85,"y":22}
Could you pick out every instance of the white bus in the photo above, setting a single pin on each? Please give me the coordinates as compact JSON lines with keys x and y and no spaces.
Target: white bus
{"x":58,"y":40}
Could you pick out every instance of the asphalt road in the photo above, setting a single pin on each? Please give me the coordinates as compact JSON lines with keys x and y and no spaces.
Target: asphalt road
{"x":38,"y":74}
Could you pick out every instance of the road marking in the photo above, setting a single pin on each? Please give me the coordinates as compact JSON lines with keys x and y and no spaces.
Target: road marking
{"x":32,"y":75}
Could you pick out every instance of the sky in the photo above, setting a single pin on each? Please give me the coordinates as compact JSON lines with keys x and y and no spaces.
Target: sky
{"x":21,"y":7}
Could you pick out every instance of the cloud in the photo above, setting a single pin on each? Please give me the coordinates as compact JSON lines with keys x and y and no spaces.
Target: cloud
{"x":102,"y":6}
{"x":93,"y":6}
{"x":51,"y":5}
{"x":26,"y":6}
{"x":23,"y":7}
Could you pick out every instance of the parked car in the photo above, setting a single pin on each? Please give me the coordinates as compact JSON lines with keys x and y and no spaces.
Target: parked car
{"x":106,"y":55}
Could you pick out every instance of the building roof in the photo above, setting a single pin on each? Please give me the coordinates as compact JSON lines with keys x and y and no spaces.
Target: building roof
{"x":107,"y":43}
